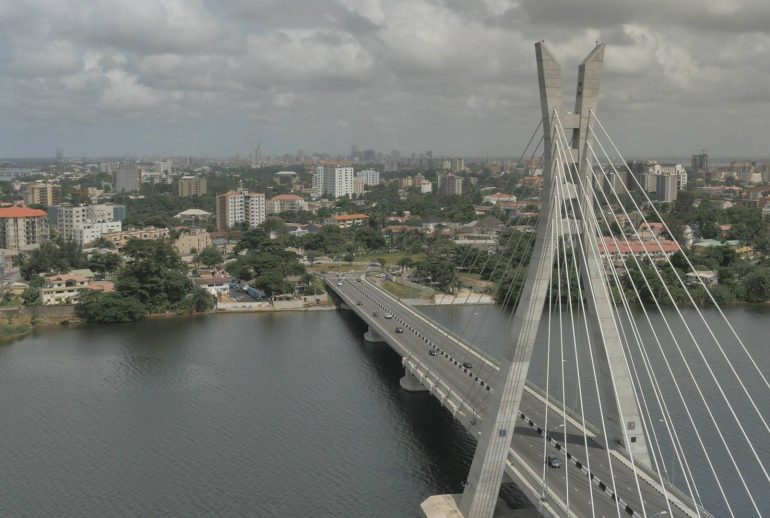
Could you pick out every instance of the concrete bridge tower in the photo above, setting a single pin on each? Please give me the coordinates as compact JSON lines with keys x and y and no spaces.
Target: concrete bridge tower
{"x":481,"y":493}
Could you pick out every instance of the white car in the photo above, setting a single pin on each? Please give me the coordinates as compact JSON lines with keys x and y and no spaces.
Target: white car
{"x":340,"y":283}
{"x":388,"y":316}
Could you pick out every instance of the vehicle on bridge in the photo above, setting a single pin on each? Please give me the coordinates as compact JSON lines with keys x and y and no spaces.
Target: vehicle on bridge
{"x":399,"y":330}
{"x":467,"y":365}
{"x":432,"y":352}
{"x":553,"y":461}
{"x":388,"y":316}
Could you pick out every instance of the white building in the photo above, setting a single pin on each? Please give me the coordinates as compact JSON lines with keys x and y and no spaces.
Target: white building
{"x":426,"y":187}
{"x":84,"y":223}
{"x":369,"y":176}
{"x":339,"y":182}
{"x":318,"y":182}
{"x":90,"y":232}
{"x":164,"y":167}
{"x":236,"y":207}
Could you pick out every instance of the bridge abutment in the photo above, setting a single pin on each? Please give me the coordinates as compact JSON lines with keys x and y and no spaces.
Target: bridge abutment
{"x":372,"y":336}
{"x":410,"y":383}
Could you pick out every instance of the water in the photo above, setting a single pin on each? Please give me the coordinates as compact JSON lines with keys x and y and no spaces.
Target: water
{"x":284,"y":415}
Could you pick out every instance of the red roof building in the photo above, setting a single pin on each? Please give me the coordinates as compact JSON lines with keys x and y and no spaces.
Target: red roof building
{"x":22,"y":228}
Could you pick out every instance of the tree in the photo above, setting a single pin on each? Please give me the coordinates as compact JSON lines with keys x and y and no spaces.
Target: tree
{"x":104,"y":263}
{"x":98,"y":307}
{"x":31,"y":296}
{"x":210,"y":256}
{"x":154,"y":276}
{"x":757,"y":285}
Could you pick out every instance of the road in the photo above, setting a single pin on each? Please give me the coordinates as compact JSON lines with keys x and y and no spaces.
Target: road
{"x":465,"y":391}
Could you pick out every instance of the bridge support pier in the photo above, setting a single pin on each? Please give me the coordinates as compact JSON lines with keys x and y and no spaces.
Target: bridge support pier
{"x":372,"y":336}
{"x":410,"y":383}
{"x":448,"y":506}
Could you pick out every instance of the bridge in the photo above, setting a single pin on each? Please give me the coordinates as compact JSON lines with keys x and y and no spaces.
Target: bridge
{"x":665,"y":412}
{"x":458,"y":389}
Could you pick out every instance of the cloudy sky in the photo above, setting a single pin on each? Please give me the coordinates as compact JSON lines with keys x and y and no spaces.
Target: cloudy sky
{"x":214,"y":77}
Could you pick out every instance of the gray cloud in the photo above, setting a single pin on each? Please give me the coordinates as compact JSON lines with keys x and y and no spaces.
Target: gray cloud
{"x":211,"y":77}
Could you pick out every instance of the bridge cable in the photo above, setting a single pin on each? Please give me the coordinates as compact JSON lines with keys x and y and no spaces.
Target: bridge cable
{"x":669,"y":422}
{"x":649,"y":430}
{"x":655,"y":385}
{"x":618,"y":322}
{"x":707,"y":364}
{"x":676,"y":342}
{"x":559,"y":197}
{"x":584,"y":213}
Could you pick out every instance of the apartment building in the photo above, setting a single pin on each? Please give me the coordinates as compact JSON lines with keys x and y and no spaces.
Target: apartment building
{"x":22,"y":228}
{"x":190,"y":186}
{"x":286,"y":203}
{"x":120,"y":239}
{"x":237,"y":207}
{"x":347,"y":220}
{"x":44,"y":194}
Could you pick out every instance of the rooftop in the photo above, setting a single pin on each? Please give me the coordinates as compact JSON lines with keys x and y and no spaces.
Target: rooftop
{"x":22,"y":212}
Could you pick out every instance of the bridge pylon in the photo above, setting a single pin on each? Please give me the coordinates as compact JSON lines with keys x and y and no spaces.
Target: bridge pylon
{"x":618,"y":397}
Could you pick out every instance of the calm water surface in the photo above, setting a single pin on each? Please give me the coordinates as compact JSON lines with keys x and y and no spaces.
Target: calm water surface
{"x":231,"y":415}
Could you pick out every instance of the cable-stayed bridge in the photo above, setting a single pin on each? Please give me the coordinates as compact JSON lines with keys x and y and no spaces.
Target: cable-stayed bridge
{"x":636,"y":409}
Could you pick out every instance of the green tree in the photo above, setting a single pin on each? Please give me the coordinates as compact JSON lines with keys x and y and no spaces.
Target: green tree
{"x":104,"y":263}
{"x":97,"y":307}
{"x":31,"y":296}
{"x":757,"y":285}
{"x":210,"y":256}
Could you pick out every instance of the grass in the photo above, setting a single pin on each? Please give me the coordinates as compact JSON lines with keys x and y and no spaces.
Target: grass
{"x":11,"y":332}
{"x":404,"y":292}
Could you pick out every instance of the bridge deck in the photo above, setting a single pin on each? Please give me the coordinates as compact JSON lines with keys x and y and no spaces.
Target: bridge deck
{"x":464,"y":393}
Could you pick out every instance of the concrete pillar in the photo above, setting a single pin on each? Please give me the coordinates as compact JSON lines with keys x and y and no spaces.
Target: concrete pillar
{"x":372,"y":336}
{"x":410,"y":383}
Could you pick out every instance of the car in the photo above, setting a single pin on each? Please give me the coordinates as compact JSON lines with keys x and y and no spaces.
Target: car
{"x":553,"y":461}
{"x":467,"y":365}
{"x":375,"y":314}
{"x":340,"y":283}
{"x":358,"y":279}
{"x":432,"y":352}
{"x":399,"y":330}
{"x":359,"y":303}
{"x":388,"y":316}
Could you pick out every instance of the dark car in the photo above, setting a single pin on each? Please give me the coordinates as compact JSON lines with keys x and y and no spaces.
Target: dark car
{"x":468,"y":365}
{"x":399,"y":330}
{"x":432,"y":352}
{"x":553,"y":462}
{"x":375,"y":314}
{"x":358,"y":279}
{"x":359,"y":303}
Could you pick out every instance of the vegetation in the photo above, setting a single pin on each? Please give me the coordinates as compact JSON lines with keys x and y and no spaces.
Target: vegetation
{"x":153,"y":280}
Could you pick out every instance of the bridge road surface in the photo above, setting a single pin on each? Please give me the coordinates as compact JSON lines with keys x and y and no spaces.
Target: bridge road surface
{"x":526,"y":460}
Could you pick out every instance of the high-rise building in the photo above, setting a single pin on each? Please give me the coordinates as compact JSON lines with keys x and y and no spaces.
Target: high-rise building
{"x":44,"y":194}
{"x":667,"y":187}
{"x":86,"y":223}
{"x":164,"y":167}
{"x":318,"y":182}
{"x":700,"y":164}
{"x":190,"y":186}
{"x":458,"y":164}
{"x":449,"y":184}
{"x":237,"y":207}
{"x":369,"y":176}
{"x":370,"y":155}
{"x":339,"y":182}
{"x":358,"y":186}
{"x":22,"y":228}
{"x":127,"y":177}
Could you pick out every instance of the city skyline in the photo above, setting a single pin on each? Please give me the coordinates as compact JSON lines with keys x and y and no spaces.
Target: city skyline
{"x":178,"y":77}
